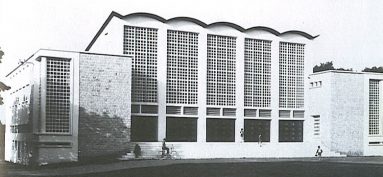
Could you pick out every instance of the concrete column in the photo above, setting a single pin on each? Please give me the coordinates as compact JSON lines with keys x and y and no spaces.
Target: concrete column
{"x":43,"y":82}
{"x":202,"y":84}
{"x":274,"y":124}
{"x":161,"y":81}
{"x":239,"y":90}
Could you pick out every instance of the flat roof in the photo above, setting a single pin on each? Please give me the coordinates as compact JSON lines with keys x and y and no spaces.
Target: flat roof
{"x":345,"y":72}
{"x":56,"y":50}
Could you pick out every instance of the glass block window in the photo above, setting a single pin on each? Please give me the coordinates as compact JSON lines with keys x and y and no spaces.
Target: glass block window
{"x":254,"y":128}
{"x":182,"y":67}
{"x":257,"y":73}
{"x":374,"y":107}
{"x":291,"y":75}
{"x":141,"y":43}
{"x":290,"y":131}
{"x":58,"y":96}
{"x":220,"y":130}
{"x":221,"y":70}
{"x":181,"y":129}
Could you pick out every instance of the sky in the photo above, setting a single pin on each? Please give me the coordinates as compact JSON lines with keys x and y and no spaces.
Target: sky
{"x":351,"y":31}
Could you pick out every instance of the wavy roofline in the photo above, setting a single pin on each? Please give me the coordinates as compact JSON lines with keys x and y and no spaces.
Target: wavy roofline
{"x":198,"y":22}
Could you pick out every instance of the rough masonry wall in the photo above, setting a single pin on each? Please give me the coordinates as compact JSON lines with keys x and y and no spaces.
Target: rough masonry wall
{"x":347,"y":111}
{"x":104,"y":120}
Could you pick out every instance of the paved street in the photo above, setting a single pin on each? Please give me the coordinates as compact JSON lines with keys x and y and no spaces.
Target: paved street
{"x":294,"y":167}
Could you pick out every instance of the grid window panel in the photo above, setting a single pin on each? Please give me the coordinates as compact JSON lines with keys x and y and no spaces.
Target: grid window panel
{"x":291,"y":75}
{"x":58,"y":96}
{"x":182,"y":67}
{"x":141,"y":43}
{"x":221,"y":55}
{"x":374,"y":107}
{"x":257,"y":73}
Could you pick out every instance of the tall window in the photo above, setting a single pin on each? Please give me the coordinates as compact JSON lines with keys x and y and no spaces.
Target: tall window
{"x":221,"y":70}
{"x":142,"y":44}
{"x":374,"y":107}
{"x":291,"y":75}
{"x":182,"y":69}
{"x":257,"y":73}
{"x":58,"y":96}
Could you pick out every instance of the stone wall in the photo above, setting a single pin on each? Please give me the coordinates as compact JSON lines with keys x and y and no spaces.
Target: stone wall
{"x":347,"y":111}
{"x":104,"y":119}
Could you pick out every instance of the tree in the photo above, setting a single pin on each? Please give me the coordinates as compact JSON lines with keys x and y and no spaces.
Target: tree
{"x":3,"y":87}
{"x":373,"y":69}
{"x":323,"y":67}
{"x":328,"y":66}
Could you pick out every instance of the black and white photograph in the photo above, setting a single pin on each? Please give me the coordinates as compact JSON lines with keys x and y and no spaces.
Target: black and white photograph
{"x":202,"y":88}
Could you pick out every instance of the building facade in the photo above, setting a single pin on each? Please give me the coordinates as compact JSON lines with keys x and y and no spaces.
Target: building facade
{"x":198,"y":84}
{"x":66,"y":106}
{"x":346,"y":111}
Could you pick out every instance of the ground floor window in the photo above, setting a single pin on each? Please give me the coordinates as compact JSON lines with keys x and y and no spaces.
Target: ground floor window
{"x":220,"y":130}
{"x":291,"y":131}
{"x":181,"y":129}
{"x":144,"y":128}
{"x":253,"y":128}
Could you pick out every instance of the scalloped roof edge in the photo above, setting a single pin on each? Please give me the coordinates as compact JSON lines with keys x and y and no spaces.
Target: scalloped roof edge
{"x":198,"y":22}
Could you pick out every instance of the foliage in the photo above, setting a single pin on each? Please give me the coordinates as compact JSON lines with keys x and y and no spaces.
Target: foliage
{"x":328,"y":66}
{"x":323,"y":67}
{"x":374,"y":69}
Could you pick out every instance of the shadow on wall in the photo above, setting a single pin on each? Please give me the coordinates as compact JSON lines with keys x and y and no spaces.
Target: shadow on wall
{"x":102,"y":136}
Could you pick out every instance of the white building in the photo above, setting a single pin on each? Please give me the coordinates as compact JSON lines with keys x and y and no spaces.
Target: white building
{"x":347,"y":111}
{"x":65,"y":106}
{"x":198,"y":84}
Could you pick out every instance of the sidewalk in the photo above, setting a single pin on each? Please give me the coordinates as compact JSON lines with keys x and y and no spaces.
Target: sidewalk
{"x":121,"y":165}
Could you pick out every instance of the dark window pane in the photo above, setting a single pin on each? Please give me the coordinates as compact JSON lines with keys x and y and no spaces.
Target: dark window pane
{"x":151,"y":109}
{"x":290,"y":131}
{"x":144,"y":129}
{"x":220,"y":130}
{"x":254,"y":128}
{"x":181,"y":129}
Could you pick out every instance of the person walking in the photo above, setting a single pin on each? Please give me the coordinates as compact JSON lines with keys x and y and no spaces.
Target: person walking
{"x":319,"y":152}
{"x":260,"y":140}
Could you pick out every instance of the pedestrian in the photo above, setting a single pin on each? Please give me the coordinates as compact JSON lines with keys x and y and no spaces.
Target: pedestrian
{"x":164,"y":147}
{"x":260,"y":140}
{"x":242,"y":133}
{"x":319,"y":152}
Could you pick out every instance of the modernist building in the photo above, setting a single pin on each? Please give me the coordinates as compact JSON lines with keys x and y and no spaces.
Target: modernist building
{"x":66,"y":106}
{"x":198,"y":84}
{"x":195,"y":84}
{"x":347,"y":111}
